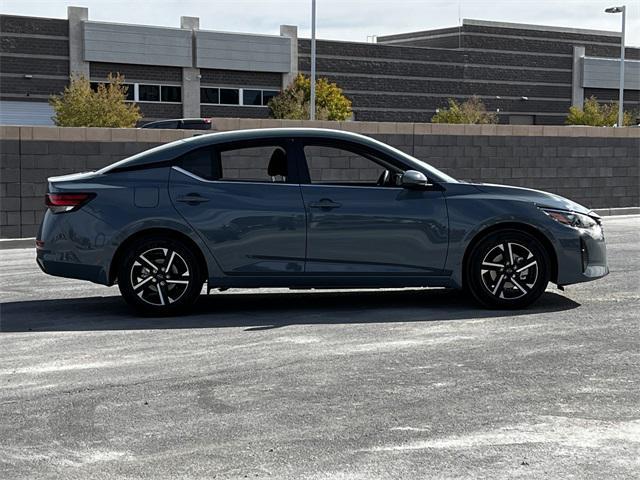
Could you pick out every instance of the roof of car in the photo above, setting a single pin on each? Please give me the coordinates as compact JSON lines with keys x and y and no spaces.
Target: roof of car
{"x":239,"y":135}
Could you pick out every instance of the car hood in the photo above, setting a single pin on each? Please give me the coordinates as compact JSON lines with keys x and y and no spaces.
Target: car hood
{"x":537,"y":197}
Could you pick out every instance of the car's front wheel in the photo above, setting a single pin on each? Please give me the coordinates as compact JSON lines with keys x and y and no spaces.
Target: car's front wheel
{"x":160,"y":276}
{"x":508,"y":269}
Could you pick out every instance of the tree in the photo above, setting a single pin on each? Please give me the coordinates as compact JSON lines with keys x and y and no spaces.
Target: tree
{"x":470,"y":111}
{"x":597,"y":114}
{"x":81,"y":106}
{"x":293,"y":102}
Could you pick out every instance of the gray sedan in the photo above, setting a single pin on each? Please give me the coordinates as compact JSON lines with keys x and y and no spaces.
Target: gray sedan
{"x":307,"y":208}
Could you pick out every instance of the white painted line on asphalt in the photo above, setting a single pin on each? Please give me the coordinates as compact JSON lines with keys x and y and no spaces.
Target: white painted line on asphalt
{"x":33,"y":239}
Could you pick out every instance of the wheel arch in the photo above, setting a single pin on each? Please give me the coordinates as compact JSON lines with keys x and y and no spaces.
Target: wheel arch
{"x":157,"y":232}
{"x":522,"y":227}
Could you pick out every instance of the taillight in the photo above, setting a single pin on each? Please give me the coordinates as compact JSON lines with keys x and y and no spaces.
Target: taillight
{"x":66,"y":202}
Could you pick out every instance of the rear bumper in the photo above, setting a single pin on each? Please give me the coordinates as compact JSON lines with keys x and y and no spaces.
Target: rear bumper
{"x":71,"y":270}
{"x":65,"y":251}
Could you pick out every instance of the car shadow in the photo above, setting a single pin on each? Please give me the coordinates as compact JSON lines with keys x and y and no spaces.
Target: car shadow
{"x":261,"y":311}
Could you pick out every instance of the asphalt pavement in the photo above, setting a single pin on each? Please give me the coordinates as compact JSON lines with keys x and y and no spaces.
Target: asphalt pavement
{"x":405,"y":384}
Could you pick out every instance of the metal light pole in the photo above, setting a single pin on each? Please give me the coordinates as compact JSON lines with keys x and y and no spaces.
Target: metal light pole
{"x":312,"y":101}
{"x":623,"y":10}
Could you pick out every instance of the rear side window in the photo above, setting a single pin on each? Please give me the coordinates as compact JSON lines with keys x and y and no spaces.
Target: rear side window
{"x":262,"y":162}
{"x":202,"y":163}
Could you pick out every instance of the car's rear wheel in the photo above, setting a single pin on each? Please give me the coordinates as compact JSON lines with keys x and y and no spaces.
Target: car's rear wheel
{"x":160,"y":276}
{"x":508,"y":269}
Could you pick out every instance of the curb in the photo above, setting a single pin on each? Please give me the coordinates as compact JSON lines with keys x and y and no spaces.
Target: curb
{"x":605,"y":212}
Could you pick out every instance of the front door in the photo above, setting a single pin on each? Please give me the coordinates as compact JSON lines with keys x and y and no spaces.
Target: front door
{"x":359,"y":221}
{"x":244,"y":200}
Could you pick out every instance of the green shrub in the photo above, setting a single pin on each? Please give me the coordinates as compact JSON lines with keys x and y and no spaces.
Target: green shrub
{"x":597,"y":114}
{"x":81,"y":106}
{"x":293,"y":102}
{"x":470,"y":111}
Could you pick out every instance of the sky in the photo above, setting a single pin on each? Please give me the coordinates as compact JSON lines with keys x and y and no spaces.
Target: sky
{"x":353,"y":20}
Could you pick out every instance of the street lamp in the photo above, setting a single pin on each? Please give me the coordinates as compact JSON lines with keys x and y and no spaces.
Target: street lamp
{"x":623,"y":10}
{"x":312,"y":100}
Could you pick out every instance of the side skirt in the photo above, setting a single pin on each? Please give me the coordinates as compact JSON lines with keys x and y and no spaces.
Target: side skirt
{"x":320,"y":282}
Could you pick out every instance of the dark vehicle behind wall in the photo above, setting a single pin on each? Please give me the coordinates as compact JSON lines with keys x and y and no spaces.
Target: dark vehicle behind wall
{"x":307,"y":208}
{"x":182,"y":123}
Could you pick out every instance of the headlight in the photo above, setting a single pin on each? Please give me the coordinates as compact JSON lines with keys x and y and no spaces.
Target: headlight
{"x":571,"y":219}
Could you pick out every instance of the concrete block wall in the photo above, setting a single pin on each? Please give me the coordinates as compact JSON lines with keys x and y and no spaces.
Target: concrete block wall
{"x":598,"y":167}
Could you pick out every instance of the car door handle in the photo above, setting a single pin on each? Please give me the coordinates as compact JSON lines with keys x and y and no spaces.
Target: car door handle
{"x":325,"y":203}
{"x":192,"y":199}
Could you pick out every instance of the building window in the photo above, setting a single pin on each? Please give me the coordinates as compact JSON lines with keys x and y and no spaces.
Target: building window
{"x":229,"y":96}
{"x":170,"y":93}
{"x":131,"y":92}
{"x":137,"y":92}
{"x":209,"y":95}
{"x":130,"y":89}
{"x":148,"y":93}
{"x":251,"y":97}
{"x":268,"y":95}
{"x":248,"y":97}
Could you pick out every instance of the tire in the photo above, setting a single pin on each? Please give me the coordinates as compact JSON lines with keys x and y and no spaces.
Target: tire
{"x":152,"y":291}
{"x":508,"y":269}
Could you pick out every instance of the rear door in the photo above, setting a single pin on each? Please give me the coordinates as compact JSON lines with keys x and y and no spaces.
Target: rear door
{"x":244,"y":200}
{"x":360,"y":221}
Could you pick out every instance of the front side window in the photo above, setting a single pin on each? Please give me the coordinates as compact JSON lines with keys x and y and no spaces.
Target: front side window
{"x":341,"y":166}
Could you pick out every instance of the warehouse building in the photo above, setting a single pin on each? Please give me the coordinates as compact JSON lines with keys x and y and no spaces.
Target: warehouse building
{"x":529,"y":74}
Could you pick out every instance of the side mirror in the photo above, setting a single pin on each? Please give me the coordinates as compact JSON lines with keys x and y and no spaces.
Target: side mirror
{"x":414,"y":179}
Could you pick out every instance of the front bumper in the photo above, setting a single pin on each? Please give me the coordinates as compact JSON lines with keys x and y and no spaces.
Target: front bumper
{"x":583,"y":257}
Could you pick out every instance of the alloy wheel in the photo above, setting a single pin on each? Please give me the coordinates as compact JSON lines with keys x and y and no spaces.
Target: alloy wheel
{"x":509,"y":271}
{"x":160,"y":276}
